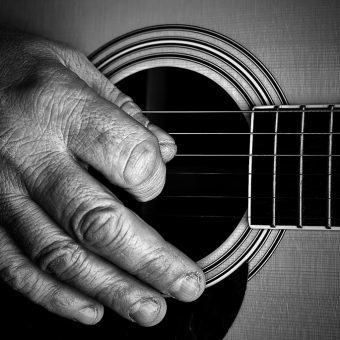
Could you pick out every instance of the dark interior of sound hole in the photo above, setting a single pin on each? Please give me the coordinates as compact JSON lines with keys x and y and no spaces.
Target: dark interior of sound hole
{"x":204,"y":196}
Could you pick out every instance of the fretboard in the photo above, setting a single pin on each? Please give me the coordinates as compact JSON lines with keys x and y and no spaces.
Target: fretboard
{"x":294,"y":167}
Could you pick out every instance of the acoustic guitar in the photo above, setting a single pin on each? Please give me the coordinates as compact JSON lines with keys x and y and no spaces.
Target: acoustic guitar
{"x":249,"y":91}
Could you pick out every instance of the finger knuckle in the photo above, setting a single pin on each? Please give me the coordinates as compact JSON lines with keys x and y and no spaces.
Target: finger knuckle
{"x":141,"y":162}
{"x":20,"y":277}
{"x":62,"y":258}
{"x":154,"y":265}
{"x":115,"y":292}
{"x":57,"y":80}
{"x":55,"y":299}
{"x":122,"y":99}
{"x":102,"y":227}
{"x":42,"y":85}
{"x":35,"y":77}
{"x":70,"y":54}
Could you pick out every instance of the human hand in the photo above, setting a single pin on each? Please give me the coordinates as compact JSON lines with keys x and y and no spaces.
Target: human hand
{"x":66,"y":242}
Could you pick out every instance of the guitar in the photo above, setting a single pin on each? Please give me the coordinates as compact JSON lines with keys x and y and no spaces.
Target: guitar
{"x":272,"y":60}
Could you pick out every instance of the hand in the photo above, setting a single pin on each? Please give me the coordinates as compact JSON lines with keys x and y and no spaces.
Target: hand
{"x":66,"y":242}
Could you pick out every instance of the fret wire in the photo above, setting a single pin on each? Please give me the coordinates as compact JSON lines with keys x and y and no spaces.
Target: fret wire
{"x":228,"y":216}
{"x":251,"y":133}
{"x":234,"y":111}
{"x":250,"y":163}
{"x":274,"y":166}
{"x":242,"y":197}
{"x":266,"y":218}
{"x":190,"y":216}
{"x":330,"y":149}
{"x":293,"y":227}
{"x":177,"y":172}
{"x":248,"y":155}
{"x":301,"y":165}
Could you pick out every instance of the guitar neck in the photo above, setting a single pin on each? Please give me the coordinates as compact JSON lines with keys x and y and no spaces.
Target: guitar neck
{"x":294,"y":167}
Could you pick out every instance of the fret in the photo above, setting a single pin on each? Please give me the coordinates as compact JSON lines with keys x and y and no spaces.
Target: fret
{"x":301,"y":167}
{"x":287,"y":210}
{"x":274,"y":166}
{"x":329,"y":188}
{"x":315,"y":188}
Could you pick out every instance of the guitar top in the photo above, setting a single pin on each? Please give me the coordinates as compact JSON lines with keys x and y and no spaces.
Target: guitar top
{"x":264,"y":53}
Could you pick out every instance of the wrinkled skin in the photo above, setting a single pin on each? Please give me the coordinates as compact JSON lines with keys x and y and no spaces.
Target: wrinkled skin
{"x":66,"y":242}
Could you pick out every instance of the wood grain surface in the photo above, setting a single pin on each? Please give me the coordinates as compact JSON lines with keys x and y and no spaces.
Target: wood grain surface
{"x":297,"y":294}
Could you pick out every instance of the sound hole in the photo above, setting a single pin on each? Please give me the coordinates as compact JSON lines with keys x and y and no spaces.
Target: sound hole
{"x":205,"y":193}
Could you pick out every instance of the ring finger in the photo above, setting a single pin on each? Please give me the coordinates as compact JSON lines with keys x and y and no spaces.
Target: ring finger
{"x":56,"y":253}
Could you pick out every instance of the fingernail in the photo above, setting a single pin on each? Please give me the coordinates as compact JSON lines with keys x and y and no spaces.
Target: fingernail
{"x":144,"y":311}
{"x":87,"y":315}
{"x":168,"y":150}
{"x":187,"y":288}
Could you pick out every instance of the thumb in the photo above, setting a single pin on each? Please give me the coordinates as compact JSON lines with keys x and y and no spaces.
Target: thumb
{"x":78,"y":63}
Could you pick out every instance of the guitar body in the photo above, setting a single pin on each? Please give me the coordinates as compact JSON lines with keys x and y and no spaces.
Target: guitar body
{"x":296,"y":294}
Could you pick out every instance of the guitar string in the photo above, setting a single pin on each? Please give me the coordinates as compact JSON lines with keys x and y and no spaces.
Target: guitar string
{"x":231,"y":197}
{"x":253,"y":155}
{"x":244,"y":111}
{"x":330,"y":151}
{"x":252,"y":133}
{"x":265,"y":217}
{"x":275,"y":134}
{"x":308,"y":110}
